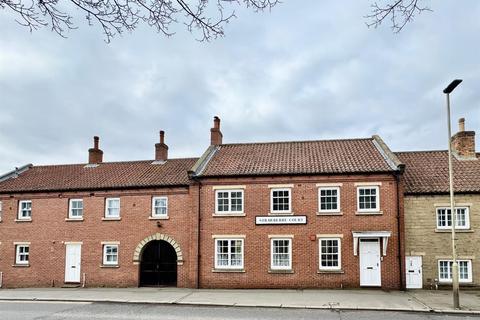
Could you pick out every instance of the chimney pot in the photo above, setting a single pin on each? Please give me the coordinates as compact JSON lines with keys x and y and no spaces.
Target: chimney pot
{"x":162,"y":136}
{"x":216,"y":136}
{"x":95,"y":142}
{"x":461,"y":124}
{"x":95,"y":155}
{"x":161,"y":149}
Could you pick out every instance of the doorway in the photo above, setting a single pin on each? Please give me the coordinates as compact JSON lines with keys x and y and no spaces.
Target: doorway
{"x":370,"y":273}
{"x":414,"y":272}
{"x":158,"y":266}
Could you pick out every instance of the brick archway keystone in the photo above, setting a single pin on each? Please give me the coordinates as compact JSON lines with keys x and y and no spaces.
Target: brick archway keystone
{"x":158,"y":236}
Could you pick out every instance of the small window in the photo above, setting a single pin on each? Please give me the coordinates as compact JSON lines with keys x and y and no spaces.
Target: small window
{"x":110,"y":254}
{"x":76,"y":209}
{"x":329,"y":199}
{"x":229,"y":253}
{"x":159,"y":207}
{"x":281,"y":254}
{"x":22,"y":254}
{"x":112,"y":208}
{"x":228,"y":201}
{"x":464,"y":270}
{"x":330,"y":254}
{"x":368,"y":199}
{"x":25,"y":209}
{"x":281,"y":201}
{"x":444,"y":218}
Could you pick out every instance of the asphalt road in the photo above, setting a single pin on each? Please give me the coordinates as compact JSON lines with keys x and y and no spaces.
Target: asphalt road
{"x":56,"y":310}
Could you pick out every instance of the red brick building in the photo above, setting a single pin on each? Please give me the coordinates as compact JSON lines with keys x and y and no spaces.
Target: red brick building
{"x":261,"y":215}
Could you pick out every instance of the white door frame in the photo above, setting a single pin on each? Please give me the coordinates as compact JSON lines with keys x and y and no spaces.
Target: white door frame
{"x":414,"y":272}
{"x":370,"y":266}
{"x":73,"y":262}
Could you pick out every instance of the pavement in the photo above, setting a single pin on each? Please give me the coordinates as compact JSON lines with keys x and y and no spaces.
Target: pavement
{"x":360,"y":299}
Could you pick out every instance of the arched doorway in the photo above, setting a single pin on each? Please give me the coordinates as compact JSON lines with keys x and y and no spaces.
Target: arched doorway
{"x":158,"y":265}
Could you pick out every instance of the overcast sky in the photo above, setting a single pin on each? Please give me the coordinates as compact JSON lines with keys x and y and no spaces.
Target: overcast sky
{"x":308,"y":70}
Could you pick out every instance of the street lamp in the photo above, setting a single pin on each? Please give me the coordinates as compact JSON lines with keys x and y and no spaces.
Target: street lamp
{"x":455,"y":285}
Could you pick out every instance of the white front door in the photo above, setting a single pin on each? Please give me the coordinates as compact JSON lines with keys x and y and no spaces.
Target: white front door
{"x":413,"y":268}
{"x":73,"y":258}
{"x":370,"y":273}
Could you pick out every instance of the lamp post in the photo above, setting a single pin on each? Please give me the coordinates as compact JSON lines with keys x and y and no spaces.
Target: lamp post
{"x":455,"y":286}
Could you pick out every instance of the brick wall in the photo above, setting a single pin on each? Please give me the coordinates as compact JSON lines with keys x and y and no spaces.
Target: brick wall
{"x":423,"y":238}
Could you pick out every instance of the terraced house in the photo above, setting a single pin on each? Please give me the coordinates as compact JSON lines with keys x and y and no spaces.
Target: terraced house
{"x":260,"y":215}
{"x":428,"y":218}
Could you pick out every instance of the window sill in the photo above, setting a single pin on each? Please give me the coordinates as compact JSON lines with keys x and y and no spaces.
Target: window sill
{"x":339,"y":271}
{"x":281,"y":271}
{"x":456,"y":230}
{"x":111,"y":219}
{"x":110,"y":266}
{"x":227,"y":215}
{"x":21,"y":265}
{"x":73,"y":219}
{"x":330,"y":213}
{"x":23,"y":220}
{"x":229,"y":270}
{"x":281,"y":213}
{"x":158,"y":218}
{"x":369,"y":213}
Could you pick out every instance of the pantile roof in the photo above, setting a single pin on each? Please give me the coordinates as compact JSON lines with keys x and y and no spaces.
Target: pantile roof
{"x":427,"y":172}
{"x":107,"y":175}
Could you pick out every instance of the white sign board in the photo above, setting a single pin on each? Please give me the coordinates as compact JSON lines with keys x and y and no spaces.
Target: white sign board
{"x":281,"y":220}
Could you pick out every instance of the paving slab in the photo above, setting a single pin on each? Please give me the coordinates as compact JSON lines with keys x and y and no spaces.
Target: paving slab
{"x":442,"y":300}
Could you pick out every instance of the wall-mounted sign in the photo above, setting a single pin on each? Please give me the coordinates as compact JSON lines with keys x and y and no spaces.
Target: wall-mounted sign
{"x":281,"y":220}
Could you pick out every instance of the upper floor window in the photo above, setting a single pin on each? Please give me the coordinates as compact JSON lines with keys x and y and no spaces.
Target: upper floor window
{"x":228,"y":201}
{"x":464,"y":270}
{"x":112,"y":208}
{"x":281,"y":200}
{"x":25,"y":209}
{"x":22,"y":252}
{"x":110,"y":254}
{"x":329,"y":199}
{"x":444,"y":218}
{"x":229,"y":253}
{"x":281,"y":254}
{"x":368,"y":199}
{"x":76,"y":209}
{"x":330,"y":254}
{"x":159,"y":207}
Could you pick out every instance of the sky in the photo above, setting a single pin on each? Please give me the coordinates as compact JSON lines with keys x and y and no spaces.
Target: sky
{"x":307,"y":70}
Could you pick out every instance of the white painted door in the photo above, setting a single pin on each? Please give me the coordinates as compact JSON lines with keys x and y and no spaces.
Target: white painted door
{"x":370,"y":273}
{"x":73,"y":259}
{"x":414,"y":272}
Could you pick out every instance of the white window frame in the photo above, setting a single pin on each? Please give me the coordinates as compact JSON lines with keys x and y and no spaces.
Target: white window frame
{"x":105,"y":261}
{"x":289,"y":201}
{"x":339,"y":267}
{"x":154,"y":214}
{"x":320,"y":189}
{"x":449,"y":279}
{"x":18,"y":254}
{"x":70,"y":209}
{"x":290,"y":253}
{"x":1,"y":210}
{"x":377,"y":198}
{"x":467,"y":218}
{"x":107,"y":215}
{"x":229,"y":266}
{"x":20,"y":215}
{"x":229,"y":211}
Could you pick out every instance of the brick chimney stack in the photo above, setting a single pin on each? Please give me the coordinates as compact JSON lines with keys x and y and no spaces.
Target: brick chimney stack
{"x":161,"y":149}
{"x":95,"y":155}
{"x":463,"y":142}
{"x":215,"y":133}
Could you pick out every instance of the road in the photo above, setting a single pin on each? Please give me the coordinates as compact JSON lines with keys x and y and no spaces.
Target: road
{"x":60,"y":310}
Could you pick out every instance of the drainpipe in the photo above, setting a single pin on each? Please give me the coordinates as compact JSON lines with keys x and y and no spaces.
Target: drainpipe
{"x":1,"y":279}
{"x":198,"y":228}
{"x":400,"y":253}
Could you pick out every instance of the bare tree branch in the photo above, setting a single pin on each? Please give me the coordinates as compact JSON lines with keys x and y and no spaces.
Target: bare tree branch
{"x":400,"y":12}
{"x":206,"y":18}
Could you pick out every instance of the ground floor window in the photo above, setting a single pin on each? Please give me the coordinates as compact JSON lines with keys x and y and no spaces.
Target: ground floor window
{"x":464,"y":270}
{"x":281,"y":254}
{"x":330,"y":255}
{"x":110,"y":254}
{"x":229,"y":253}
{"x":22,"y":254}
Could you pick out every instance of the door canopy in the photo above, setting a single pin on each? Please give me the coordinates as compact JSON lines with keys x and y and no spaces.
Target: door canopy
{"x":158,"y":236}
{"x":383,"y":235}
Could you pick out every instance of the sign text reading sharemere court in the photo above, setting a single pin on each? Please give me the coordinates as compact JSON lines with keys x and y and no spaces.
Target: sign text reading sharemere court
{"x":281,"y":220}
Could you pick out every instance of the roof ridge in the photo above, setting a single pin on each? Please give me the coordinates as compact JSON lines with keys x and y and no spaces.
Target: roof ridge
{"x":294,"y":141}
{"x":108,"y":162}
{"x":420,"y":151}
